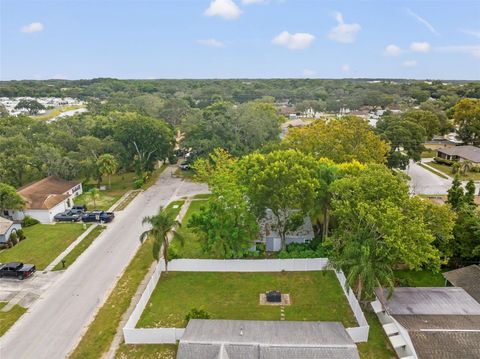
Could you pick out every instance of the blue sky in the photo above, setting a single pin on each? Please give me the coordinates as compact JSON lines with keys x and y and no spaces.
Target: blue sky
{"x":75,"y":39}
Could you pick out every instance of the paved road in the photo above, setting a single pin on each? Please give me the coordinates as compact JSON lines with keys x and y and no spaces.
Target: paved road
{"x":425,"y":182}
{"x":54,"y":324}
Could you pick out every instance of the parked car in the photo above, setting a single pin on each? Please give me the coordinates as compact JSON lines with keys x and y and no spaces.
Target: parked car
{"x":184,"y":166}
{"x":69,"y":216}
{"x":80,"y":207}
{"x":98,"y":216}
{"x":17,"y":269}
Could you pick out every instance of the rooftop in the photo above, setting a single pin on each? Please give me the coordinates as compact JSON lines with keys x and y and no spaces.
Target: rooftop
{"x":46,"y":193}
{"x":5,"y":224}
{"x":433,"y":301}
{"x":467,"y":278}
{"x":265,"y":339}
{"x":468,"y":152}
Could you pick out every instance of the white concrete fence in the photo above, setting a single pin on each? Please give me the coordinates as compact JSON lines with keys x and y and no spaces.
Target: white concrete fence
{"x":134,"y":335}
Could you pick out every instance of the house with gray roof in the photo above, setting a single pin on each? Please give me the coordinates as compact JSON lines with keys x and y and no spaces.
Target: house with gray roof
{"x":467,"y":278}
{"x":430,"y":323}
{"x":460,"y":153}
{"x":252,"y":339}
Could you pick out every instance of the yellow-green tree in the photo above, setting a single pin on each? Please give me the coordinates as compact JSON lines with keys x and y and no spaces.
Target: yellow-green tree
{"x":341,"y":140}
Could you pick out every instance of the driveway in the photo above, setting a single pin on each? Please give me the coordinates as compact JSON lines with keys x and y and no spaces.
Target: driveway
{"x":55,"y":323}
{"x":423,"y":181}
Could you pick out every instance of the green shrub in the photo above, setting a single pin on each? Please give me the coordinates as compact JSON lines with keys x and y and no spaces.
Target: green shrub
{"x":197,"y":314}
{"x":173,"y":159}
{"x":14,"y":238}
{"x":138,"y":183}
{"x":21,"y":235}
{"x":475,"y":168}
{"x":443,"y":161}
{"x":313,"y":249}
{"x":29,"y":221}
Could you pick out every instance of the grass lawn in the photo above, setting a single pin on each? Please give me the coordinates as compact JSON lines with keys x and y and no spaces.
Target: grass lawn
{"x":314,"y":296}
{"x":423,"y":278}
{"x":192,"y":247}
{"x":102,"y":330}
{"x":80,"y":248}
{"x":7,"y":319}
{"x":121,"y":183}
{"x":428,"y":154}
{"x":448,"y":170}
{"x":147,"y":351}
{"x":378,"y":345}
{"x":43,"y":244}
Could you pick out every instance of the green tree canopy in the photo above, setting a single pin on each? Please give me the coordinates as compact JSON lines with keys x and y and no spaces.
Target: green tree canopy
{"x":466,"y":114}
{"x":9,"y":198}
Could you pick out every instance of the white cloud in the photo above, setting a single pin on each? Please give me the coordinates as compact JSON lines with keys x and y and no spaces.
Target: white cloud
{"x":410,"y":63}
{"x":392,"y":50}
{"x":420,"y":46}
{"x":344,"y":33}
{"x":471,"y":32}
{"x":309,"y":72}
{"x":33,"y":27}
{"x":345,"y":68}
{"x":226,"y":9}
{"x":248,"y":2}
{"x":422,"y":21}
{"x":299,"y":40}
{"x":210,"y":42}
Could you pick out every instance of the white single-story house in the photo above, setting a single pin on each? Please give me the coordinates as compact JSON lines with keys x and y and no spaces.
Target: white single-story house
{"x":269,"y":235}
{"x":7,"y":227}
{"x":256,"y":339}
{"x":46,"y":198}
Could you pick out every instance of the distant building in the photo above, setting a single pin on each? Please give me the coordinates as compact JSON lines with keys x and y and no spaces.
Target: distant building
{"x":46,"y":198}
{"x":7,"y":227}
{"x":460,"y":153}
{"x":270,"y":236}
{"x":254,"y":339}
{"x":430,"y":323}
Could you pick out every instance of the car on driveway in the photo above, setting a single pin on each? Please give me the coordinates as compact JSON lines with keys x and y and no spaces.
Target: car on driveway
{"x":69,"y":216}
{"x":80,"y":207}
{"x":98,"y":216}
{"x":17,"y":269}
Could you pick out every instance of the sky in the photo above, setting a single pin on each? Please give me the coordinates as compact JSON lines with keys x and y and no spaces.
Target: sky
{"x":81,"y":39}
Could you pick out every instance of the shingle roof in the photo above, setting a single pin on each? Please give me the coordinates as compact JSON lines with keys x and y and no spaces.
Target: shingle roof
{"x":5,"y":224}
{"x":446,"y":345}
{"x":435,"y":301}
{"x":234,"y":339}
{"x":467,"y":278}
{"x":439,"y":322}
{"x":467,"y":152}
{"x":46,"y":193}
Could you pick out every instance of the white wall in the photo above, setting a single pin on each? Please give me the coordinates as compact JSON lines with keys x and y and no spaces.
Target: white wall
{"x":134,"y":335}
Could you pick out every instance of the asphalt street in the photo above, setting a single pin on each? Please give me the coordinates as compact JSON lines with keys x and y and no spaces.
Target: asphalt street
{"x":55,"y":323}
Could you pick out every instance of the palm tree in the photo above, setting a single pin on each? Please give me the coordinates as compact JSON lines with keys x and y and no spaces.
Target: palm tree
{"x":366,"y":265}
{"x":94,"y":195}
{"x":107,"y":165}
{"x":162,"y":224}
{"x":466,"y":166}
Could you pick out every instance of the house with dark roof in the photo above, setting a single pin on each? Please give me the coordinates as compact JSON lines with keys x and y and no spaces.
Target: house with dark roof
{"x":467,"y":278}
{"x":430,"y":323}
{"x":46,"y":198}
{"x":460,"y":153}
{"x":7,"y":227}
{"x":255,"y":339}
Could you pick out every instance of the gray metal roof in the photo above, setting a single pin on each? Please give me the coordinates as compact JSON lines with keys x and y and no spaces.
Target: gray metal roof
{"x":467,"y":152}
{"x":435,"y":301}
{"x":240,"y":339}
{"x":467,"y":278}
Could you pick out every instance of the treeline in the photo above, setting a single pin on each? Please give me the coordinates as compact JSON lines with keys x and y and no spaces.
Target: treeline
{"x":330,"y":95}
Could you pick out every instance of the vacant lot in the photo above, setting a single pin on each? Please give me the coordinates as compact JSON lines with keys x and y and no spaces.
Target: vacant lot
{"x":314,"y":296}
{"x":43,"y":244}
